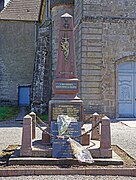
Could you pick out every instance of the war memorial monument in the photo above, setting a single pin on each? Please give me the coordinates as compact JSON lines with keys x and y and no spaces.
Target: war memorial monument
{"x":65,"y":138}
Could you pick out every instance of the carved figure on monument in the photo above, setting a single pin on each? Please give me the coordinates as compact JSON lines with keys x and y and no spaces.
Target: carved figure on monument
{"x":65,"y":48}
{"x":66,"y":62}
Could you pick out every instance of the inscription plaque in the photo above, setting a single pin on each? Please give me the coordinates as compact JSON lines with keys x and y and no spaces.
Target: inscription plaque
{"x":66,"y":85}
{"x":72,"y":110}
{"x":61,"y":147}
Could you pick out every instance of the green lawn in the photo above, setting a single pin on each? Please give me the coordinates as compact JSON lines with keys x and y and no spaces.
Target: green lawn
{"x":43,"y":117}
{"x":8,"y":113}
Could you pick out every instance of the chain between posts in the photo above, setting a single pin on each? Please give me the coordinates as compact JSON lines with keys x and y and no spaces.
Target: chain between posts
{"x":63,"y":137}
{"x":90,"y":129}
{"x":43,"y":130}
{"x":41,"y":121}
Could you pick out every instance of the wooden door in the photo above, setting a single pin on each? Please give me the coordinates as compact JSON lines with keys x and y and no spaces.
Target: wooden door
{"x":24,"y":95}
{"x":127,"y":89}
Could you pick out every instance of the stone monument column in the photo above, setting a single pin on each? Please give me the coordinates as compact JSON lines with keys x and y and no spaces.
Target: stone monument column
{"x":65,"y":86}
{"x":58,"y":8}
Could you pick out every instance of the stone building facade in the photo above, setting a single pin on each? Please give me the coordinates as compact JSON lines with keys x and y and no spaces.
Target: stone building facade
{"x":19,"y":24}
{"x":17,"y":52}
{"x":106,"y":54}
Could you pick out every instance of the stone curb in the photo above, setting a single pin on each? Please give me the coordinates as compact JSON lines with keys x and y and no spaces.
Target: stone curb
{"x":66,"y":171}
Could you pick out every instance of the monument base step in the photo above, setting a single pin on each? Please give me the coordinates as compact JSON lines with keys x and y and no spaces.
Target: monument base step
{"x":16,"y":160}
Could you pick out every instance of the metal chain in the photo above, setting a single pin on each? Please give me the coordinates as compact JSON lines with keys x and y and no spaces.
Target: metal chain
{"x":89,"y":130}
{"x":43,"y":130}
{"x":64,"y":137}
{"x":41,"y":121}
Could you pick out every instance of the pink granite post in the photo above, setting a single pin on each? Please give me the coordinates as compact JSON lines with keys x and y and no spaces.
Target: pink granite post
{"x":26,"y":146}
{"x":85,"y":139}
{"x":33,"y":115}
{"x":105,"y":141}
{"x":46,"y":136}
{"x":95,"y":132}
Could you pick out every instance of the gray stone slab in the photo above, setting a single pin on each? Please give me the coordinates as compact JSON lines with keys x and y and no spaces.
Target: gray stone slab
{"x":116,"y":160}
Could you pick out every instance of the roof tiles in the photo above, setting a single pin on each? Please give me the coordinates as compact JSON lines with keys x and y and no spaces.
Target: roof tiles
{"x":25,"y":10}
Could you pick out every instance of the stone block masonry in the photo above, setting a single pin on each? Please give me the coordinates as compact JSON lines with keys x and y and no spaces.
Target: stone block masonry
{"x":105,"y":37}
{"x":91,"y":65}
{"x":41,"y":88}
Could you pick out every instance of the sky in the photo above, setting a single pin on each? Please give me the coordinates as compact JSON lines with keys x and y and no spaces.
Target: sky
{"x":6,"y":1}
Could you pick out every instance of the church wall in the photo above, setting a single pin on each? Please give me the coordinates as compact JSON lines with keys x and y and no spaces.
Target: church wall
{"x":118,"y":43}
{"x":17,"y":51}
{"x":106,"y":30}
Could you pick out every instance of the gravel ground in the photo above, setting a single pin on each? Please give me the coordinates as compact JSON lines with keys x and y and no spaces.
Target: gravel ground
{"x":76,"y":177}
{"x":9,"y":136}
{"x":125,"y":137}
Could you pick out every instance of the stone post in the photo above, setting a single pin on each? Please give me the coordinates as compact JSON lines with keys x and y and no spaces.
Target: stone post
{"x":85,"y":140}
{"x":33,"y":115}
{"x":95,"y":132}
{"x":26,"y":146}
{"x":46,"y":136}
{"x":105,"y":140}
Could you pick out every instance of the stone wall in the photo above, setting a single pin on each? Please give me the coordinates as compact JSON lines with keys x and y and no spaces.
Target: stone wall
{"x":118,"y":43}
{"x":17,"y":51}
{"x":78,"y":36}
{"x":105,"y":33}
{"x":41,"y":88}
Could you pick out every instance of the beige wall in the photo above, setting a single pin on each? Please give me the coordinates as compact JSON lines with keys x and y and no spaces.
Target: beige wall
{"x":17,"y":52}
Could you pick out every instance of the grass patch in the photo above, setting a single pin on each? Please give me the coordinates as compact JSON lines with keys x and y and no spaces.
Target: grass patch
{"x":8,"y":113}
{"x":43,"y":117}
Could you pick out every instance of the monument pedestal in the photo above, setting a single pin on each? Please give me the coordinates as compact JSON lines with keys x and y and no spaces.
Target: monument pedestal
{"x":72,"y":108}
